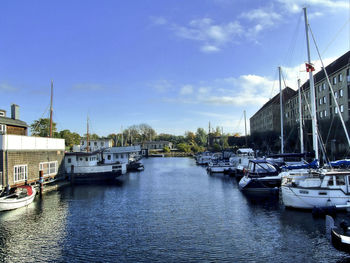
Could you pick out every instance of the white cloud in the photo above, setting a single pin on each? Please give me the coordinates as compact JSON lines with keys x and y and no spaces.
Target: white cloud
{"x":7,"y":87}
{"x":263,"y":17}
{"x":209,"y":49}
{"x":186,"y":90}
{"x":213,"y":36}
{"x":161,"y":86}
{"x":158,"y":20}
{"x":294,"y":6}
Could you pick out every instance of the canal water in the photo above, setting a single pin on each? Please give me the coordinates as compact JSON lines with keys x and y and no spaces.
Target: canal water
{"x":173,"y":211}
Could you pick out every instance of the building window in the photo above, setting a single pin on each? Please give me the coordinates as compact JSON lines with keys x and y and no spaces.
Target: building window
{"x":324,"y":86}
{"x":321,"y":114}
{"x":20,"y":173}
{"x":341,"y":93}
{"x":324,"y":100}
{"x":325,"y":113}
{"x":95,"y":143}
{"x":341,"y":108}
{"x":108,"y":157}
{"x":321,"y":101}
{"x":340,"y":77}
{"x":335,"y":110}
{"x":69,"y":160}
{"x":334,"y":80}
{"x":336,"y":95}
{"x":2,"y":129}
{"x":320,"y":88}
{"x":49,"y":168}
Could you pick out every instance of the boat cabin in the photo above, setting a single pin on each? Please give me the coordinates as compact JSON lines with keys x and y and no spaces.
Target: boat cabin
{"x":261,"y":168}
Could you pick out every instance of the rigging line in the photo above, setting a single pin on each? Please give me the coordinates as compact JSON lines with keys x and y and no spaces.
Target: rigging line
{"x":331,"y":88}
{"x":294,"y":40}
{"x":336,"y":35}
{"x":239,"y":123}
{"x":273,"y":84}
{"x":47,"y":109}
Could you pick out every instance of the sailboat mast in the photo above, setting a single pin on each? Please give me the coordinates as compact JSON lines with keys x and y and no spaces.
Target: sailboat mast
{"x":51,"y":109}
{"x":87,"y":135}
{"x":312,"y":92}
{"x":281,"y":110}
{"x":245,"y":128}
{"x":300,"y":120}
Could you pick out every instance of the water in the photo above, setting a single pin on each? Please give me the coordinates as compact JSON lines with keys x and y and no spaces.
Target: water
{"x":173,"y":211}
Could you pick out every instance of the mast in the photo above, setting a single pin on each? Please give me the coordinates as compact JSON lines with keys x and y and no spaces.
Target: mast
{"x":87,"y":135}
{"x":122,"y":142}
{"x":209,"y":136}
{"x":300,"y":120}
{"x":312,"y":92}
{"x":50,"y":133}
{"x":245,"y":128}
{"x":281,"y":110}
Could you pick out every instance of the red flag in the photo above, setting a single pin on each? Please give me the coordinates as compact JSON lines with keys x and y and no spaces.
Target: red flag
{"x":309,"y":67}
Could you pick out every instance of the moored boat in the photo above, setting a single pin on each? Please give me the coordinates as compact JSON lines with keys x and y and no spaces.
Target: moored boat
{"x":261,"y":177}
{"x":20,"y":197}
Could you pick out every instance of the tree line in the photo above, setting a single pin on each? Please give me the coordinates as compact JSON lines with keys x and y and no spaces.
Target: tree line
{"x":197,"y":141}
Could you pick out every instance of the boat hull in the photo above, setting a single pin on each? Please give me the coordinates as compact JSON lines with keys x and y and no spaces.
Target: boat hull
{"x":295,"y":197}
{"x":78,"y":178}
{"x":8,"y":204}
{"x":260,"y":186}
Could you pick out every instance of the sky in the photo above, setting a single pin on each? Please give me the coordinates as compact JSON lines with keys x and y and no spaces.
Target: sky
{"x":175,"y":65}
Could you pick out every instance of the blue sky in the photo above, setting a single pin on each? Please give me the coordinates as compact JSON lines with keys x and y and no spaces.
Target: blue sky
{"x":175,"y":64}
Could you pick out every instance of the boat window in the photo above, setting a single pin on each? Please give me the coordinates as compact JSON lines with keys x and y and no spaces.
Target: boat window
{"x":251,"y":167}
{"x":264,"y":168}
{"x":69,"y":160}
{"x":86,"y":158}
{"x":108,"y":157}
{"x":330,"y":182}
{"x":340,"y":180}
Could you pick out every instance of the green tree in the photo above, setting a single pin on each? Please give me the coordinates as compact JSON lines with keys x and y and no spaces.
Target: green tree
{"x":190,"y":137}
{"x":166,"y":149}
{"x":70,"y":138}
{"x":201,"y":137}
{"x":41,"y":128}
{"x":183,"y":147}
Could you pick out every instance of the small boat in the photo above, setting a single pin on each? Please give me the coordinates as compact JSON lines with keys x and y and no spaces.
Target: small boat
{"x":21,"y":196}
{"x":261,"y":177}
{"x":340,"y":237}
{"x":135,"y":166}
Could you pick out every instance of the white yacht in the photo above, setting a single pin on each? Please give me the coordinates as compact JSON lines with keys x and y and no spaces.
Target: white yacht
{"x":317,"y":188}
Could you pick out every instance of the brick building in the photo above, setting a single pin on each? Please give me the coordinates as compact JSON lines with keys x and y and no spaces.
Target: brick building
{"x":22,"y":157}
{"x":268,"y":118}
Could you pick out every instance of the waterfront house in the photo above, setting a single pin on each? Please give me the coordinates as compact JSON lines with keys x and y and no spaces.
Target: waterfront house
{"x":12,"y":125}
{"x":22,"y":156}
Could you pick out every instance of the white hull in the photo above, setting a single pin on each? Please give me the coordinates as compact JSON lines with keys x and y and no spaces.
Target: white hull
{"x":296,"y":197}
{"x":14,"y":203}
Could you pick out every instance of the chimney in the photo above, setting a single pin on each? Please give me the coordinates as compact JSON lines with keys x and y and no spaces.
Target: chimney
{"x":15,"y":112}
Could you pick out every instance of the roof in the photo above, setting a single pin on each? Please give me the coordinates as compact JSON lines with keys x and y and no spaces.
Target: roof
{"x":81,"y":153}
{"x":245,"y":150}
{"x":286,"y":94}
{"x":12,"y":122}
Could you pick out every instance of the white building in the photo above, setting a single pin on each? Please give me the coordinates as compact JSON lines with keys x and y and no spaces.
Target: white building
{"x":94,"y":145}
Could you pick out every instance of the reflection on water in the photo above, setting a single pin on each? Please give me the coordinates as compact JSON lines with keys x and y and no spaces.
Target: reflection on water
{"x":173,"y":211}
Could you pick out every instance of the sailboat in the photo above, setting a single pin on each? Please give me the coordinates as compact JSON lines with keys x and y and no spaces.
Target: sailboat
{"x":316,"y":188}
